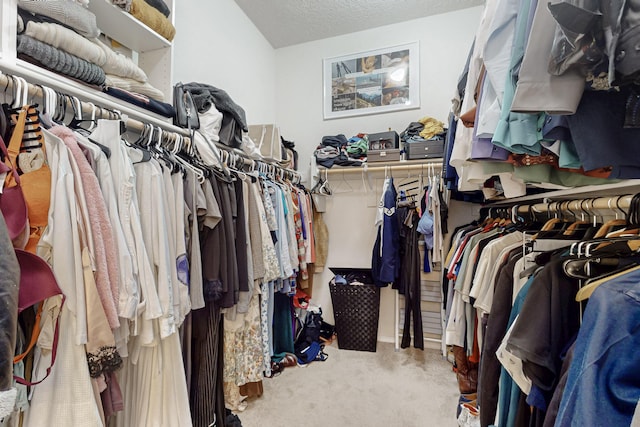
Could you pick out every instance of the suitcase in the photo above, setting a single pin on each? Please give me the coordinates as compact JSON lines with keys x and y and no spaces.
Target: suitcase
{"x":392,"y":155}
{"x":429,"y":149}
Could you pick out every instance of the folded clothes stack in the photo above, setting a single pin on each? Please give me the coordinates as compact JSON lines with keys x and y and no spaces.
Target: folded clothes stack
{"x":142,"y":101}
{"x":153,"y":18}
{"x":59,"y":61}
{"x":67,"y":32}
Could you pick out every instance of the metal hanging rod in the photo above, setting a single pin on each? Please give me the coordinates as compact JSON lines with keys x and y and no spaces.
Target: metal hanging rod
{"x":419,"y":165}
{"x":579,"y":205}
{"x":106,"y":108}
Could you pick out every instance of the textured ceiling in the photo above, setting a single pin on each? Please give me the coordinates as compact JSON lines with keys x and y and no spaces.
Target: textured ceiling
{"x":289,"y":22}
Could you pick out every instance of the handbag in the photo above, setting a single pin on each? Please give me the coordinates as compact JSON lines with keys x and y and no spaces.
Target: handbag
{"x":12,"y":203}
{"x":35,"y":184}
{"x":186,"y":111}
{"x":37,"y":283}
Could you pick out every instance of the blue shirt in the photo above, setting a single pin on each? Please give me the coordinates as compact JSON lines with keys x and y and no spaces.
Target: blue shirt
{"x":603,"y":384}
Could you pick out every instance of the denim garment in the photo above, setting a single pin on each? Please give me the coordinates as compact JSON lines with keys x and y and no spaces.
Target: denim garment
{"x":599,"y":136}
{"x":556,"y":127}
{"x":385,"y":264}
{"x":603,"y":386}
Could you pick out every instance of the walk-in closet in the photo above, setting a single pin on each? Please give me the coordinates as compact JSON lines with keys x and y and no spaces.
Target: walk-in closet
{"x":279,"y":213}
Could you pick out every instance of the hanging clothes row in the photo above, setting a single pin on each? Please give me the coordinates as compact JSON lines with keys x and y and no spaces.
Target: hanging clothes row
{"x":528,"y":349}
{"x":532,"y":107}
{"x":173,"y":264}
{"x":414,"y":212}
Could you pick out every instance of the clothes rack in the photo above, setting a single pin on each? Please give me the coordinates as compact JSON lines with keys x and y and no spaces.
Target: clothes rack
{"x":98,"y":108}
{"x":580,"y":205}
{"x":105,"y":109}
{"x":86,"y":93}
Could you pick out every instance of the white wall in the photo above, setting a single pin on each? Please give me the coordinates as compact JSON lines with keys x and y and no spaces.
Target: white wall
{"x":444,"y":43}
{"x":217,"y":44}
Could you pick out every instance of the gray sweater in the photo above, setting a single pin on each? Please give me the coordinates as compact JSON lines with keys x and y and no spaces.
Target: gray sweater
{"x":60,"y":61}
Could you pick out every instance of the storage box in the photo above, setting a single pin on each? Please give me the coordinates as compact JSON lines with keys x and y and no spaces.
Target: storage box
{"x":392,"y":155}
{"x":356,"y":310}
{"x":424,"y":149}
{"x":383,"y":140}
{"x":267,"y":140}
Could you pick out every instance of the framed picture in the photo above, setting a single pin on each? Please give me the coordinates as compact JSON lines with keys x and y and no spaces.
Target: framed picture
{"x":375,"y":81}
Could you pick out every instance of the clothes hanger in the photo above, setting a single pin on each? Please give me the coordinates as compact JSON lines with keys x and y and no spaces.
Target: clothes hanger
{"x":608,"y":226}
{"x":587,"y":290}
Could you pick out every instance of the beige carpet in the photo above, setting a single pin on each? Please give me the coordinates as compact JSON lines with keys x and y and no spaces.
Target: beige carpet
{"x":408,"y":388}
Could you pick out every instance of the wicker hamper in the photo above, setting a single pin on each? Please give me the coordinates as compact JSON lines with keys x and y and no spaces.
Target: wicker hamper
{"x":356,"y":311}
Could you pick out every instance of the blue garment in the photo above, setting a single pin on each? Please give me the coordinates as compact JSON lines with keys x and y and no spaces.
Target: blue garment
{"x":385,"y":263}
{"x":450,"y":174}
{"x":603,"y":384}
{"x":509,"y":390}
{"x":599,"y":136}
{"x":427,"y":265}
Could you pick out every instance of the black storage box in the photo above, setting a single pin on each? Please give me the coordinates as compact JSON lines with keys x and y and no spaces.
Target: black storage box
{"x":383,"y":140}
{"x":356,"y":309}
{"x":392,"y":155}
{"x":429,"y":149}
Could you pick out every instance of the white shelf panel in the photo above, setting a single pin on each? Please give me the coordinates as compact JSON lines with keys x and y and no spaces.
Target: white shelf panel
{"x":127,"y":30}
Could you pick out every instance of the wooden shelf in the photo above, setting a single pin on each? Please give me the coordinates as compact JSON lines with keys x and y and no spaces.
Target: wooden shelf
{"x":127,"y":30}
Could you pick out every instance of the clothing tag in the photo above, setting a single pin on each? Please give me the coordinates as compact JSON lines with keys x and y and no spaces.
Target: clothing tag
{"x":3,"y":176}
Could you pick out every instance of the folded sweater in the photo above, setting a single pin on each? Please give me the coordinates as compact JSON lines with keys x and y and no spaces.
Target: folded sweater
{"x":67,"y":12}
{"x":153,"y":19}
{"x":60,"y":61}
{"x":93,"y":51}
{"x":63,"y":38}
{"x":134,"y":86}
{"x":120,"y":65}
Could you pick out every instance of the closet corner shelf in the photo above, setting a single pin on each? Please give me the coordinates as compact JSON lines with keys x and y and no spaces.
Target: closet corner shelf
{"x":413,"y":165}
{"x":127,"y":30}
{"x":619,"y":188}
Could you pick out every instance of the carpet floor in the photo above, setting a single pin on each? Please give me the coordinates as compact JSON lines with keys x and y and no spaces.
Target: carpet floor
{"x":408,"y":388}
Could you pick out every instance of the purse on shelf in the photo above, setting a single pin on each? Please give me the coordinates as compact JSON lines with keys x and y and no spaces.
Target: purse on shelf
{"x":186,"y":111}
{"x":12,"y":202}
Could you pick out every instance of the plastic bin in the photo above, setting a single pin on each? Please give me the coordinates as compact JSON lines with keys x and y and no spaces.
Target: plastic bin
{"x":356,"y":310}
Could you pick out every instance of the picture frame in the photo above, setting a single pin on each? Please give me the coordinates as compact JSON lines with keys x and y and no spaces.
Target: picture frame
{"x":372,"y":82}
